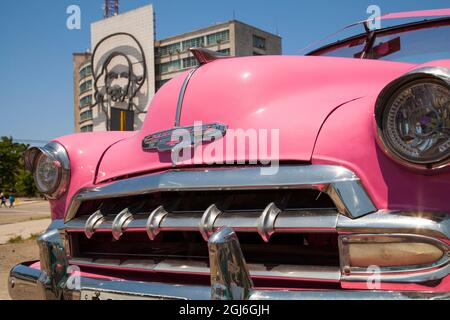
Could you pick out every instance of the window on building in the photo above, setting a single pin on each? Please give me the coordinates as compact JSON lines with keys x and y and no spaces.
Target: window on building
{"x":224,"y":51}
{"x":86,"y":115}
{"x":189,"y":62}
{"x":169,"y":66}
{"x":170,"y":49}
{"x":193,"y":43}
{"x":85,"y":71}
{"x":88,"y":128}
{"x":259,"y":42}
{"x":85,"y":86}
{"x":85,"y":101}
{"x":219,"y":37}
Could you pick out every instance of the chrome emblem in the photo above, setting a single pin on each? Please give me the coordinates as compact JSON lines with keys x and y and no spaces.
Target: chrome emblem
{"x":169,"y":140}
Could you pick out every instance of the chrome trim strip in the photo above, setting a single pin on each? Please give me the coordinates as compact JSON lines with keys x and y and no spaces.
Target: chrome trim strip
{"x":431,"y":224}
{"x":230,"y":277}
{"x":120,"y":222}
{"x":154,"y":221}
{"x":407,"y":277}
{"x":206,"y":225}
{"x":350,"y":198}
{"x":181,"y":97}
{"x":280,"y":272}
{"x":311,"y":220}
{"x":291,"y":221}
{"x":342,"y":185}
{"x":266,"y":222}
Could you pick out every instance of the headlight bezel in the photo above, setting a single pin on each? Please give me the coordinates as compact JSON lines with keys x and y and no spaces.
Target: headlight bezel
{"x":55,"y":152}
{"x":433,"y":75}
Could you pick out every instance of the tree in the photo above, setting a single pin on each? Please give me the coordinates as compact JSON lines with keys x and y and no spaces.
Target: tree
{"x":13,"y":175}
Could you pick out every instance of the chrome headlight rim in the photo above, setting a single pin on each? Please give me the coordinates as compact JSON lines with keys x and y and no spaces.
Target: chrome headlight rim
{"x":433,"y":75}
{"x":56,"y":152}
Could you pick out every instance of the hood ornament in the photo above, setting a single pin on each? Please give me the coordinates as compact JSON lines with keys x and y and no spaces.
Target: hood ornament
{"x":184,"y":137}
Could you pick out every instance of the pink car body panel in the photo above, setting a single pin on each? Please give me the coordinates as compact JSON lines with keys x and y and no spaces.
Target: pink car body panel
{"x":389,"y":184}
{"x":417,"y":14}
{"x":85,"y":151}
{"x":267,"y":93}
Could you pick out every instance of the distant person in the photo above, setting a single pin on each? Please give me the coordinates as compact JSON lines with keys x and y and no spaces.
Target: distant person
{"x":11,"y":200}
{"x":3,"y":199}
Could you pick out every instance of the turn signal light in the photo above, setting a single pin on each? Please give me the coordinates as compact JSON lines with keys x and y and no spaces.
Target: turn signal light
{"x":393,"y":254}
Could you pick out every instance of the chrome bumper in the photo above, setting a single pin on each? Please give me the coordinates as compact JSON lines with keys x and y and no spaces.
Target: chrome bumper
{"x":230,"y":280}
{"x":25,"y":283}
{"x":230,"y":277}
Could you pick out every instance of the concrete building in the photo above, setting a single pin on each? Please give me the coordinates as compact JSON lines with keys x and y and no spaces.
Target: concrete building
{"x":82,"y":88}
{"x":124,"y":53}
{"x":233,"y":38}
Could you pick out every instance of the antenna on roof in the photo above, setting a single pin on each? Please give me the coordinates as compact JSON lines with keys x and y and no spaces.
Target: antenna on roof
{"x":154,"y":26}
{"x":110,"y":8}
{"x":234,"y":14}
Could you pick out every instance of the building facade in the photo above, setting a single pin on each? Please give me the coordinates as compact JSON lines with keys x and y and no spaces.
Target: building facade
{"x":83,"y":94}
{"x":232,"y":38}
{"x":126,"y":55}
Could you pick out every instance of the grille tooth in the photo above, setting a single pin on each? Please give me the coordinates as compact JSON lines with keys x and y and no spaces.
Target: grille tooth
{"x":120,"y":222}
{"x":206,"y":225}
{"x":266,"y":222}
{"x":92,"y":222}
{"x":153,"y":222}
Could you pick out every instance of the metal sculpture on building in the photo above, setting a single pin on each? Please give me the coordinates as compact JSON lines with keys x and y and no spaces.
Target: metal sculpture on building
{"x":120,"y":73}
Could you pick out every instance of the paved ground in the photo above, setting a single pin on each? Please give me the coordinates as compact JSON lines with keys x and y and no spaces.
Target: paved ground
{"x":29,"y":218}
{"x":25,"y":211}
{"x":12,"y":254}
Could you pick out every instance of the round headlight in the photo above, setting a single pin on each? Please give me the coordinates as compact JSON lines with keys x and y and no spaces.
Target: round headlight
{"x":51,"y":168}
{"x":47,"y":174}
{"x":415,"y":123}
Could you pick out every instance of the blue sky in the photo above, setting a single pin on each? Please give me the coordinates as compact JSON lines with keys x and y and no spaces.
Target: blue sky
{"x":36,"y":99}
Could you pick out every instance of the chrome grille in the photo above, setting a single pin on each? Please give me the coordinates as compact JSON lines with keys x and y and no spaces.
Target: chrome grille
{"x":278,"y":238}
{"x":287,"y":223}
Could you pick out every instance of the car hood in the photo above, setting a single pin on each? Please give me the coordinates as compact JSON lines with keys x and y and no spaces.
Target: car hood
{"x":293,"y":95}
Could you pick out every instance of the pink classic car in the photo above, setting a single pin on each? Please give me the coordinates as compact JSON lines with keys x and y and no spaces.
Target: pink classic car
{"x":349,"y":198}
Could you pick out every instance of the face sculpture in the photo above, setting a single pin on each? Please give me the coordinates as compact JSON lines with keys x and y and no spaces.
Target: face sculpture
{"x":117,"y":77}
{"x":119,"y":74}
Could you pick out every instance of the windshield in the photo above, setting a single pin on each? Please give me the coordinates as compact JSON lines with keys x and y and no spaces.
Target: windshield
{"x":408,"y":44}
